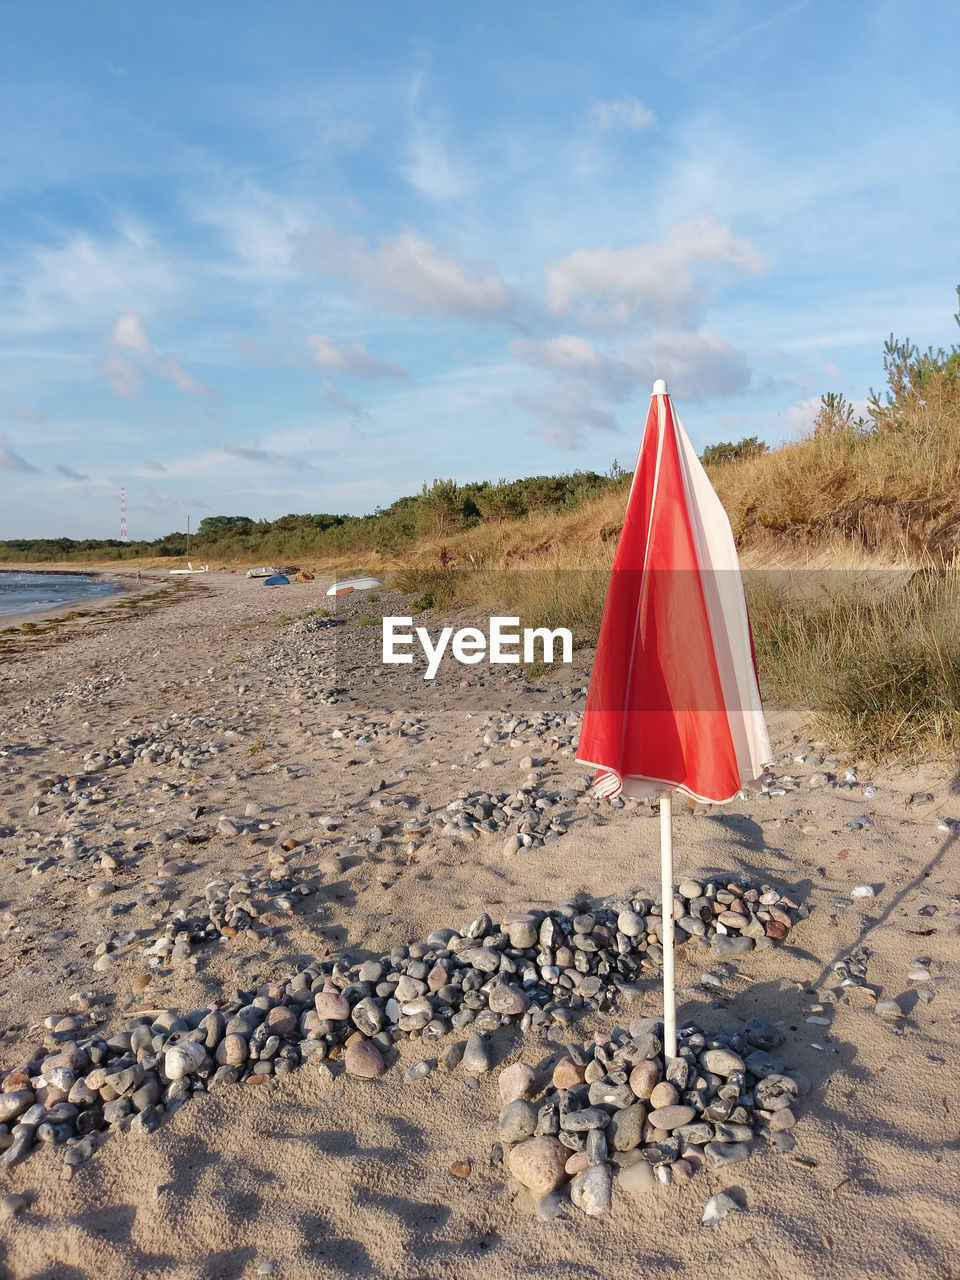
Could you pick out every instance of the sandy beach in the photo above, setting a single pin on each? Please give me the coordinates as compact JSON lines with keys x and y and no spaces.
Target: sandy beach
{"x":248,"y":745}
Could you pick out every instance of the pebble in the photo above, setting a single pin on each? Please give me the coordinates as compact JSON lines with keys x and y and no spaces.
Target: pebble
{"x":539,"y":1164}
{"x":591,"y":1190}
{"x":364,"y":1059}
{"x":662,"y":1094}
{"x":889,"y":1010}
{"x":477,"y":1056}
{"x":671,"y":1118}
{"x":717,"y":1208}
{"x":11,"y":1205}
{"x":518,"y":1120}
{"x":719,"y":1154}
{"x":637,"y":1179}
{"x":517,"y":1081}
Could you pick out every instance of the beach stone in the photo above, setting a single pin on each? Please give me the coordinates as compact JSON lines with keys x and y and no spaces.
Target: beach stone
{"x":725,"y":945}
{"x":719,"y":1154}
{"x":517,"y":1081}
{"x":584,"y":1120}
{"x":782,"y":1119}
{"x":626,"y":1128}
{"x":369,"y":1018}
{"x":11,"y":1205}
{"x":644,"y":1078}
{"x":477,"y":1055}
{"x":637,"y":1179}
{"x":518,"y":1120}
{"x":629,"y":923}
{"x":281,"y":1021}
{"x":232,"y":1051}
{"x":183,"y":1060}
{"x":502,"y":998}
{"x":539,"y":1164}
{"x":670,"y":1118}
{"x":453,"y":1055}
{"x":889,"y":1010}
{"x":723,"y":1062}
{"x":14,"y":1104}
{"x":577,"y":1163}
{"x":591,"y":1190}
{"x":690,"y":889}
{"x":567,"y":1074}
{"x":364,"y":1059}
{"x":332,"y":1006}
{"x":664,"y":1095}
{"x":522,"y":932}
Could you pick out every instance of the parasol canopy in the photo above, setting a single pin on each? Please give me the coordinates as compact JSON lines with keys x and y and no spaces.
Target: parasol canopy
{"x":674,"y":701}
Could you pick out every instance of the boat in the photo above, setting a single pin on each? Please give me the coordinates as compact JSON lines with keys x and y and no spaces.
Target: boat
{"x":277,"y":580}
{"x":353,"y":584}
{"x":262,"y":572}
{"x":191,"y":569}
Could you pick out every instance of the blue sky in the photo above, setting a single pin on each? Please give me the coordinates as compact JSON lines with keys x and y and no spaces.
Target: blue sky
{"x":275,"y":257}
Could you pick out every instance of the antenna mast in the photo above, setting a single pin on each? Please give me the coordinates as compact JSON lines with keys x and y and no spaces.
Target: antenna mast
{"x":123,"y":515}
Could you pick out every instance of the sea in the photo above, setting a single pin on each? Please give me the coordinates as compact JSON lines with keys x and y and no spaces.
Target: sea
{"x":30,"y":592}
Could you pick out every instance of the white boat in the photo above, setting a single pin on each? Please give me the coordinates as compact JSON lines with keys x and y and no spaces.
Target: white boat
{"x":191,"y":569}
{"x":353,"y":584}
{"x":262,"y":572}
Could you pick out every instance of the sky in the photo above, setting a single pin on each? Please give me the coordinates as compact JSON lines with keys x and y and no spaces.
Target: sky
{"x":262,"y":258}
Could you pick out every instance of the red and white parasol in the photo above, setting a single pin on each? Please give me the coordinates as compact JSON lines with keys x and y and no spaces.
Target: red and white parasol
{"x":674,"y":702}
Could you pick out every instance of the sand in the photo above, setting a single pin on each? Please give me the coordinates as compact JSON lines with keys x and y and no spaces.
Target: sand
{"x":346,"y":1178}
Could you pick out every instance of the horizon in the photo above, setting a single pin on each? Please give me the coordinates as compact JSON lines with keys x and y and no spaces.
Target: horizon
{"x":306,"y":260}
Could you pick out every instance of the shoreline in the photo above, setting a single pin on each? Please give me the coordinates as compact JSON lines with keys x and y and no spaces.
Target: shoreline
{"x":84,"y":606}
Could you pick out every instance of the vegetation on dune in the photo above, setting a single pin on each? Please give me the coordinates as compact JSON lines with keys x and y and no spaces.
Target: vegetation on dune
{"x":441,"y":510}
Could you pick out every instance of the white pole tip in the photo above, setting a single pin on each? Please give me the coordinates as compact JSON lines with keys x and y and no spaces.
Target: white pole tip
{"x":659,"y":387}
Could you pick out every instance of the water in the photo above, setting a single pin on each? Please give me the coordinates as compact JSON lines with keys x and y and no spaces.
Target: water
{"x":29,"y":592}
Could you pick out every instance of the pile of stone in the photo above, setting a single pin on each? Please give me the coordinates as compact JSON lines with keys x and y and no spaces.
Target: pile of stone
{"x":616,"y":1111}
{"x":258,"y":903}
{"x":541,"y":969}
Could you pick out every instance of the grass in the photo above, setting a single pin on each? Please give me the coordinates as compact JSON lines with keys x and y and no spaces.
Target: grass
{"x":875,"y":657}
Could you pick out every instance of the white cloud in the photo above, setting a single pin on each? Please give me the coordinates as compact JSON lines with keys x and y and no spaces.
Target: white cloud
{"x":177,"y":374}
{"x":83,"y":280}
{"x":569,"y":355}
{"x":123,"y":378}
{"x":430,"y":167}
{"x":565,"y":416}
{"x":412,"y":275}
{"x":10,"y":461}
{"x":623,"y":113}
{"x":129,"y":333}
{"x":262,"y":229}
{"x":351,"y":358}
{"x":156,"y":468}
{"x":344,"y":403}
{"x":663,"y":282}
{"x":696,"y":364}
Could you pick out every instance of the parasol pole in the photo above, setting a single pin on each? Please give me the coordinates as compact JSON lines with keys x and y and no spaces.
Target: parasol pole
{"x":666,"y":895}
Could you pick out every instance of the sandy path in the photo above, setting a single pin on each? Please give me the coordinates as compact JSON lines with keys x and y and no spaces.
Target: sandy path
{"x":346,"y":1178}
